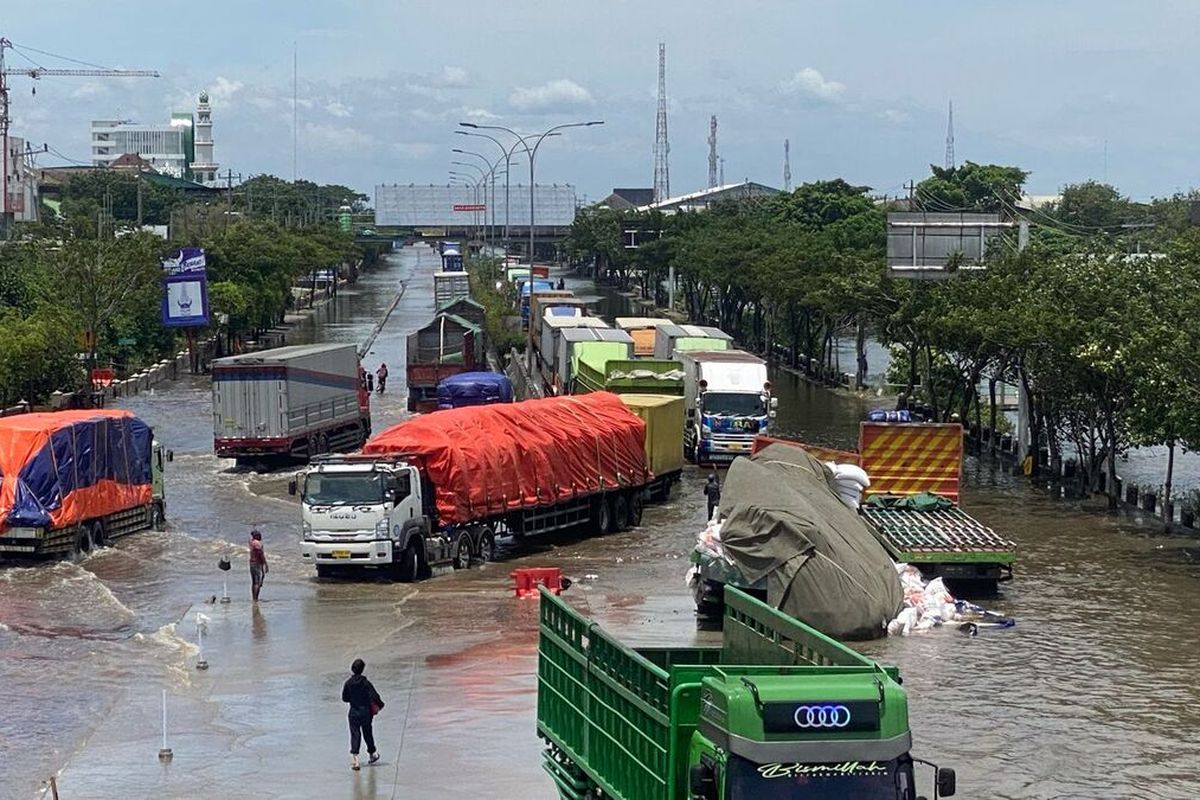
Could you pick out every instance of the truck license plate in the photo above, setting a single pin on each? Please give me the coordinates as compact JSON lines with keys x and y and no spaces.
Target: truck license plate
{"x":341,"y":553}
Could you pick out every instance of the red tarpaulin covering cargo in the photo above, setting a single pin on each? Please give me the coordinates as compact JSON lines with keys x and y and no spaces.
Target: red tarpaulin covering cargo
{"x":57,"y":469}
{"x":485,"y":460}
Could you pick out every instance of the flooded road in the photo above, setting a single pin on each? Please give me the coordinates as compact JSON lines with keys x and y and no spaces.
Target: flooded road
{"x":1092,"y":695}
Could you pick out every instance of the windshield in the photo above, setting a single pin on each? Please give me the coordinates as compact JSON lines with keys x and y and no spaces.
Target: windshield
{"x":733,"y":404}
{"x":851,"y":780}
{"x":344,"y":489}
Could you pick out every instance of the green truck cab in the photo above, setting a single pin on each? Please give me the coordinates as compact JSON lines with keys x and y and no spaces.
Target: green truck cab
{"x":777,"y":711}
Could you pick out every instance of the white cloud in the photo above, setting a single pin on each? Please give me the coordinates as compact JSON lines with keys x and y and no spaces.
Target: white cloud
{"x":811,"y":82}
{"x":557,"y":94}
{"x":414,"y":150}
{"x":478,"y":114}
{"x":336,"y":109}
{"x":894,"y":116}
{"x":454,"y":77}
{"x":317,"y":136}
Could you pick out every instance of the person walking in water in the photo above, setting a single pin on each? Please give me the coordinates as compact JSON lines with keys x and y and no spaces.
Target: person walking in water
{"x":258,"y":563}
{"x":712,"y":490}
{"x":365,"y":703}
{"x":381,"y":377}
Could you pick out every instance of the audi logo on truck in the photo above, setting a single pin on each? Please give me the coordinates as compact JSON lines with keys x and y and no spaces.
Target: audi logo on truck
{"x":822,"y":716}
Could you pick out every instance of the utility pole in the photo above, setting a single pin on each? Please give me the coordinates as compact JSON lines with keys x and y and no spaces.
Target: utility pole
{"x":911,"y":188}
{"x":662,"y":148}
{"x":295,"y":108}
{"x":712,"y":152}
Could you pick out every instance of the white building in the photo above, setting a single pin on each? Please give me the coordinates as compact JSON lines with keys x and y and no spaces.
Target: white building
{"x":204,"y":169}
{"x":163,"y":146}
{"x":182,"y":148}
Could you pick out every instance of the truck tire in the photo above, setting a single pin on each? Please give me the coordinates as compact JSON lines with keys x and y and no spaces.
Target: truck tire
{"x":485,"y":545}
{"x":82,"y":546}
{"x":158,"y":517}
{"x":460,"y":554}
{"x":602,"y":516}
{"x":635,"y":509}
{"x":408,"y":566}
{"x":620,"y":512}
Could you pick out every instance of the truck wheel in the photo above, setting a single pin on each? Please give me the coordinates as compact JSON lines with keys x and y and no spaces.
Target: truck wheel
{"x":81,"y":548}
{"x":158,"y":517}
{"x":98,"y":537}
{"x":635,"y":509}
{"x":410,"y":562}
{"x":689,"y":455}
{"x":485,"y":545}
{"x":602,"y":516}
{"x":620,"y":513}
{"x":462,"y":551}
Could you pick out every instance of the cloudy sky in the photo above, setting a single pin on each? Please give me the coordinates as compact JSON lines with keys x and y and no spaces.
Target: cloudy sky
{"x":859,"y":87}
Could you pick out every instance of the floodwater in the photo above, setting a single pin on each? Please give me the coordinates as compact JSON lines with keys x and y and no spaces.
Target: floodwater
{"x":1092,"y":695}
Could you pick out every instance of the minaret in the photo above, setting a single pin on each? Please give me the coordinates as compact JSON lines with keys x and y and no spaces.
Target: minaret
{"x":204,"y":168}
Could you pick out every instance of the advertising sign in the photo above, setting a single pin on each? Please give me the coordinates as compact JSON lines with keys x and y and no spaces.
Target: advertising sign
{"x":470,"y":207}
{"x":185,"y":291}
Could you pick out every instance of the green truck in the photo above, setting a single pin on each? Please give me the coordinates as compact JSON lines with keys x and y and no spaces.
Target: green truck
{"x":620,"y":375}
{"x":778,"y":711}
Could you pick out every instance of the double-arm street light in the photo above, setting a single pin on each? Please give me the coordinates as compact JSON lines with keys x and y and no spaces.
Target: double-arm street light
{"x":491,"y":174}
{"x":532,"y":153}
{"x":508,"y":154}
{"x":478,"y":184}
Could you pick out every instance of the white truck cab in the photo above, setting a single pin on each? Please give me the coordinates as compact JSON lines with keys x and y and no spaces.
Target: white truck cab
{"x":362,"y":511}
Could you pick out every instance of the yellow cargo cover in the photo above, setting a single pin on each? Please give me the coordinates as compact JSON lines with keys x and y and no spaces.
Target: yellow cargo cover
{"x":663,"y":415}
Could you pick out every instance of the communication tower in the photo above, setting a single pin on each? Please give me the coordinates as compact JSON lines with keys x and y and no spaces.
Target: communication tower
{"x":787,"y":166}
{"x":950,"y":138}
{"x":662,"y":149}
{"x":712,"y":152}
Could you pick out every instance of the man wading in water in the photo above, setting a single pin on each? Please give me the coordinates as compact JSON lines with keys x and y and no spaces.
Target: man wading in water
{"x":365,"y":703}
{"x":258,"y":563}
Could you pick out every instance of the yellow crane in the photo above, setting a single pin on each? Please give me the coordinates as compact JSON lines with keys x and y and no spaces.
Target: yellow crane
{"x":36,"y":72}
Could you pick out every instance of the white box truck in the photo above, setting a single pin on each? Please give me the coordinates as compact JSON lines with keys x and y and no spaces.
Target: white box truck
{"x":293,"y":402}
{"x":448,"y":287}
{"x":727,"y":402}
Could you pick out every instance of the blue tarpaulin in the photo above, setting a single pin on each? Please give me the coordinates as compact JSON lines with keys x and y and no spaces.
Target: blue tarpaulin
{"x":474,"y":389}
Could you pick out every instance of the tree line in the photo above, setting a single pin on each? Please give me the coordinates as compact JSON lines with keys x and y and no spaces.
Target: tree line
{"x":83,"y":287}
{"x":1093,"y":317}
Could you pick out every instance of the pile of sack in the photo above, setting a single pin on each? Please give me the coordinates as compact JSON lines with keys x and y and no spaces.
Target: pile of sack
{"x":930,"y":605}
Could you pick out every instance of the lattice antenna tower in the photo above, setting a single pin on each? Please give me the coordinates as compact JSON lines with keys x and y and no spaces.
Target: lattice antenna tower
{"x":662,"y":149}
{"x":712,"y":152}
{"x":787,"y":166}
{"x":950,"y":138}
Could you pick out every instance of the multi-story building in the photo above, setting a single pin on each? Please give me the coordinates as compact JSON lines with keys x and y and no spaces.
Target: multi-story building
{"x":183,"y":148}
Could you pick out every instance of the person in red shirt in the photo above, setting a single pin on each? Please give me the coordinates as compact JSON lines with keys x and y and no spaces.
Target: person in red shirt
{"x":258,"y":563}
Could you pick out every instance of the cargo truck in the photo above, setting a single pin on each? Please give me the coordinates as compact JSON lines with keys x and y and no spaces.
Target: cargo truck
{"x":915,"y":460}
{"x":438,"y":489}
{"x":290,"y":402}
{"x":548,"y":339}
{"x":670,"y":340}
{"x":576,"y":343}
{"x":71,"y":481}
{"x":450,"y":286}
{"x":663,"y":415}
{"x":644,"y":375}
{"x":474,"y":389}
{"x":728,"y":402}
{"x":777,"y":711}
{"x":448,"y":345}
{"x":643,"y":330}
{"x":452,"y":259}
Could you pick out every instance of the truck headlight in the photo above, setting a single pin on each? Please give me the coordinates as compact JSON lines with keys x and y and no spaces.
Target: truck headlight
{"x":705,"y":429}
{"x":306,"y":531}
{"x":382,"y":528}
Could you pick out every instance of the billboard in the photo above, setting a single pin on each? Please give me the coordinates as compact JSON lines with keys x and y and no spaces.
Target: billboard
{"x":185,"y":289}
{"x":935,"y":245}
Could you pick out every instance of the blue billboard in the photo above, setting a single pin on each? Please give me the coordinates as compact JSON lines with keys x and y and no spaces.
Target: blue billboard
{"x":185,"y":289}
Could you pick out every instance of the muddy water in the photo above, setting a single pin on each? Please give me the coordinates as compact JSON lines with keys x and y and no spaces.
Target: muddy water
{"x":1091,"y":696}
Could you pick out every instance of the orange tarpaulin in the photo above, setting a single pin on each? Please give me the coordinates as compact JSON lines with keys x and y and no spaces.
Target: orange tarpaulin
{"x":61,"y":468}
{"x":487,"y":460}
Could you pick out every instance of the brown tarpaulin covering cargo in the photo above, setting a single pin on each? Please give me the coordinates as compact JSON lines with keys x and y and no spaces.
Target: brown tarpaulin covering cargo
{"x":784,"y":522}
{"x":487,"y":460}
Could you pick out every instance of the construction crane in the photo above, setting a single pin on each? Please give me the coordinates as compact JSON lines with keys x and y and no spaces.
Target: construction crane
{"x":37,"y":72}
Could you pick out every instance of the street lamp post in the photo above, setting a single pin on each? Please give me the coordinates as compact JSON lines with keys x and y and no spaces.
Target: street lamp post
{"x":532,"y":153}
{"x":491,"y":174}
{"x":508,"y":154}
{"x":482,"y":177}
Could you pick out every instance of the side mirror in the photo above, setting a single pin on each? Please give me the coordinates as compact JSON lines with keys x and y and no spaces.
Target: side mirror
{"x":947,"y":782}
{"x":702,"y":783}
{"x":774,"y":402}
{"x":772,"y":414}
{"x":170,"y":455}
{"x":292,"y":487}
